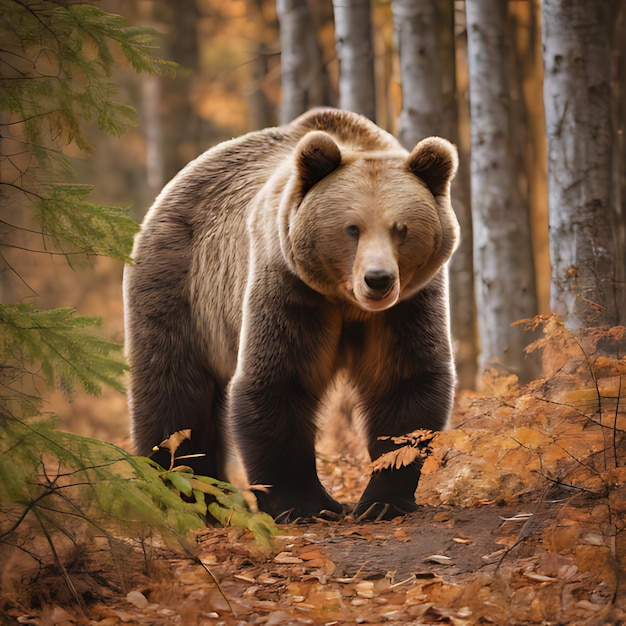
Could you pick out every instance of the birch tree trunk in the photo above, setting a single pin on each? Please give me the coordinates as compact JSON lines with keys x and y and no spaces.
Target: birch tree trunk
{"x":300,"y":60}
{"x":414,"y":22}
{"x":353,"y":41}
{"x":425,"y":38}
{"x":503,"y":262}
{"x":585,"y":285}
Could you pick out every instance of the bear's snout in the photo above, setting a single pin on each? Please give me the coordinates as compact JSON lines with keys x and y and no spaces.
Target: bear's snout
{"x":377,"y":289}
{"x":379,"y":281}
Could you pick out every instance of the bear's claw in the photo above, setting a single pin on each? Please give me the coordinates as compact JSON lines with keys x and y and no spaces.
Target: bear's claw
{"x":374,"y":511}
{"x":288,"y":508}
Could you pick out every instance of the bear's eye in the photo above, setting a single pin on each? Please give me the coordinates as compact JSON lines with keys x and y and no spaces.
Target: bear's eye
{"x":400,"y":231}
{"x":353,"y":231}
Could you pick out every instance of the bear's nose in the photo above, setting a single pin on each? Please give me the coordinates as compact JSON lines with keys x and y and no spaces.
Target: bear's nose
{"x":380,"y":281}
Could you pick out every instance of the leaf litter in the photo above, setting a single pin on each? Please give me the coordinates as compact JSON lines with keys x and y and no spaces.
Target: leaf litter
{"x":522,"y":519}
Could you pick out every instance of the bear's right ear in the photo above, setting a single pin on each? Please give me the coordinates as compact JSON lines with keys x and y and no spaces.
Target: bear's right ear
{"x":317,"y":155}
{"x":435,"y":161}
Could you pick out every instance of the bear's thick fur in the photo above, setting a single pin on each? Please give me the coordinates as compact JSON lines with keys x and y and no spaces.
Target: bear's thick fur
{"x":269,"y":264}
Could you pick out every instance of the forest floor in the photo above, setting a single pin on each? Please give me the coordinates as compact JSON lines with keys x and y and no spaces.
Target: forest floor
{"x":523,"y":510}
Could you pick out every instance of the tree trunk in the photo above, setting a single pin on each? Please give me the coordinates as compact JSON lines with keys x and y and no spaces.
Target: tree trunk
{"x":503,"y":262}
{"x":527,"y":34}
{"x":585,"y":287}
{"x":461,"y":266}
{"x":425,"y":37}
{"x":301,"y":68}
{"x":414,"y":22}
{"x":353,"y":41}
{"x":151,"y":119}
{"x":619,"y":158}
{"x":184,"y":131}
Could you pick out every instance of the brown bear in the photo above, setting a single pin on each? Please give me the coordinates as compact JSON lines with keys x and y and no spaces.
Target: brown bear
{"x":268,"y":265}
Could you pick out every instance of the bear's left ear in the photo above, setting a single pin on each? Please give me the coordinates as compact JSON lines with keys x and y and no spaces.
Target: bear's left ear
{"x":317,"y":155}
{"x":435,"y":161}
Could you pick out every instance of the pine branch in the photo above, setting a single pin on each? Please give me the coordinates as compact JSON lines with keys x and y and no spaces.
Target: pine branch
{"x":68,"y":217}
{"x":56,"y":342}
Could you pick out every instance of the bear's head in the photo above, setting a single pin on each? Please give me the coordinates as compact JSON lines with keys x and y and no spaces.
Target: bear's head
{"x":369,"y":227}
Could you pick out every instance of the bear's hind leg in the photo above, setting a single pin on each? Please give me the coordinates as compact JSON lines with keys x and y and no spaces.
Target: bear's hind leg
{"x":165,"y":400}
{"x":205,"y":451}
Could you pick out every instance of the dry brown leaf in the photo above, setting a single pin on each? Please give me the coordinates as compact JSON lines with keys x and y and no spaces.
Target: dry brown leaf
{"x":286,"y":558}
{"x":308,"y":554}
{"x":413,"y":446}
{"x":541,"y":578}
{"x":401,"y":535}
{"x":440,"y":559}
{"x":172,"y":443}
{"x":395,"y":459}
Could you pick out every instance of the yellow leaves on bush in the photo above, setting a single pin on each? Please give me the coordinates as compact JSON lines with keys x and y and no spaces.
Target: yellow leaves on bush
{"x":529,"y":438}
{"x":567,"y":428}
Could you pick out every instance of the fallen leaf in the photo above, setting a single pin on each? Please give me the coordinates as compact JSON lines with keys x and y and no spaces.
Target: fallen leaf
{"x":439,"y":558}
{"x":520,"y":517}
{"x":309,"y":555}
{"x":540,"y":577}
{"x":401,"y":535}
{"x":287,"y":558}
{"x":245,"y":578}
{"x":137,"y":599}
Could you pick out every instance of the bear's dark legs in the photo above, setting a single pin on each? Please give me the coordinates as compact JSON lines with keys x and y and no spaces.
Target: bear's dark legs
{"x":422,"y":402}
{"x":275,"y":431}
{"x":166,"y":399}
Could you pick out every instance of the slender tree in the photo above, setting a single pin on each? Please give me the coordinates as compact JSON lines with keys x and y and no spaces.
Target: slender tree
{"x":184,"y":132}
{"x":461,"y":266}
{"x":353,"y":40}
{"x":587,"y":271}
{"x":416,"y":31}
{"x":503,"y":262}
{"x":302,"y":74}
{"x":262,"y":112}
{"x":619,"y":108}
{"x":425,"y":37}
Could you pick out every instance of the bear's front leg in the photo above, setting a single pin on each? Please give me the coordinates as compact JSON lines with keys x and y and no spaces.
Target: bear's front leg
{"x":423,"y":402}
{"x":275,"y":431}
{"x":284,"y":366}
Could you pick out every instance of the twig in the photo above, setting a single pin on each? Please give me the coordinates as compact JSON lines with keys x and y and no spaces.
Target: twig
{"x":525,"y":530}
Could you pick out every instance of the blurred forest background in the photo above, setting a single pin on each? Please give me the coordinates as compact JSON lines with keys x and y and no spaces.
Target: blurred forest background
{"x":470,"y":71}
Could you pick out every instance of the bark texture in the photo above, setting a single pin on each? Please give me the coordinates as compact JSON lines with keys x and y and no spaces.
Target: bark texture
{"x":301,"y":68}
{"x":586,"y":281}
{"x":353,"y":41}
{"x":503,"y":261}
{"x":426,"y":47}
{"x":461,"y":266}
{"x":414,"y":22}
